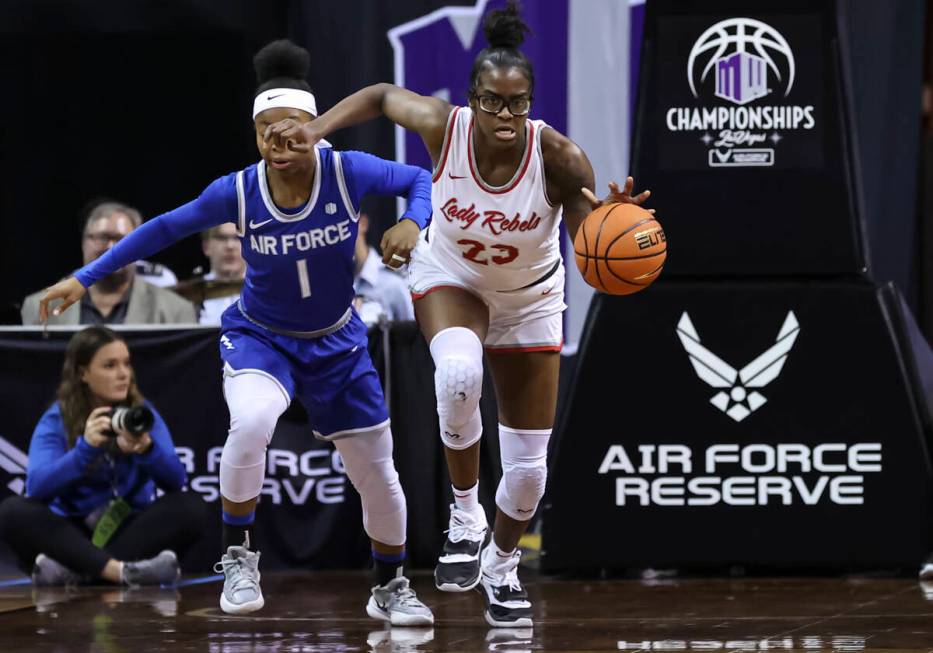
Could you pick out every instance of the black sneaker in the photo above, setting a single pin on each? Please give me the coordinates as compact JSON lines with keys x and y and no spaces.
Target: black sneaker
{"x":507,"y":604}
{"x":457,"y":567}
{"x":926,"y":569}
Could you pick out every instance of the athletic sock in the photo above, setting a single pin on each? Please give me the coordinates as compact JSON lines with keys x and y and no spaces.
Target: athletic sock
{"x":467,"y":500}
{"x":387,"y":566}
{"x":238,"y":530}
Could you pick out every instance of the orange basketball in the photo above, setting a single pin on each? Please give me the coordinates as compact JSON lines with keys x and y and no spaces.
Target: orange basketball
{"x":620,"y":248}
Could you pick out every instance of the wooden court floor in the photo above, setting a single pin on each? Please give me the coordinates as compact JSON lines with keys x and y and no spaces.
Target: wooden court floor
{"x":323,"y":612}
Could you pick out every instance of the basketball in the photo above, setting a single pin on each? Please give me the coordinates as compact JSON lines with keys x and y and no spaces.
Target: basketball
{"x":620,"y":248}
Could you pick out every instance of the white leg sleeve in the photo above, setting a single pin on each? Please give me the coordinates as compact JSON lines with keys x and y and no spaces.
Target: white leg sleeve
{"x":524,"y":471}
{"x":368,"y":461}
{"x":458,"y":384}
{"x":255,"y":402}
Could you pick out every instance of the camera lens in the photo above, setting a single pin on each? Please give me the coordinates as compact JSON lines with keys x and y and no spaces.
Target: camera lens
{"x":135,"y":420}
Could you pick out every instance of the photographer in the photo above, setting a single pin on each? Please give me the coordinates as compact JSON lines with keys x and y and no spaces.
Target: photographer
{"x":91,"y":510}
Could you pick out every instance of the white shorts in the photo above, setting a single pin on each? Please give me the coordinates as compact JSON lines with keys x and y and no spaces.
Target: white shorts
{"x":524,"y":320}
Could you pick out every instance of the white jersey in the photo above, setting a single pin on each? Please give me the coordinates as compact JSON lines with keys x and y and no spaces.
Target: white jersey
{"x":498,"y":238}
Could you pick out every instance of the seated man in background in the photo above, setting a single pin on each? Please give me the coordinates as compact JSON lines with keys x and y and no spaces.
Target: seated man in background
{"x":120,"y":298}
{"x":379,"y":290}
{"x":221,"y":246}
{"x":90,"y":512}
{"x":157,"y":274}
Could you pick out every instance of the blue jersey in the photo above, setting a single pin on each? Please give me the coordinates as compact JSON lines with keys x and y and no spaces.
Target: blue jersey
{"x":299,"y":275}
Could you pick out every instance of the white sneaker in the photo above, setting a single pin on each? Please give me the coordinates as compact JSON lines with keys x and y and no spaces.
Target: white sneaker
{"x":926,"y":569}
{"x":396,"y":603}
{"x":507,"y":604}
{"x":241,"y":593}
{"x":457,"y":567}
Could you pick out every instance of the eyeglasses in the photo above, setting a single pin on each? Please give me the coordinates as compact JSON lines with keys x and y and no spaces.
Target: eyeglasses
{"x":518,"y":106}
{"x":102,"y":238}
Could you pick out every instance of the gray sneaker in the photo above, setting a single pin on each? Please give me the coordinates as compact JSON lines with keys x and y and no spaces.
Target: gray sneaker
{"x":396,"y":603}
{"x":240,"y":568}
{"x":400,"y":638}
{"x":47,"y":572}
{"x":163,"y":569}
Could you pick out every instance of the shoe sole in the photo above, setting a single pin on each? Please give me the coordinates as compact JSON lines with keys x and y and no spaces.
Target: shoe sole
{"x":453,"y":587}
{"x":242,"y":608}
{"x":521,"y":622}
{"x":398,"y":620}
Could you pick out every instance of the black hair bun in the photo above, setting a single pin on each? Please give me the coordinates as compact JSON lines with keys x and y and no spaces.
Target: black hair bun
{"x":281,"y":58}
{"x":505,"y":28}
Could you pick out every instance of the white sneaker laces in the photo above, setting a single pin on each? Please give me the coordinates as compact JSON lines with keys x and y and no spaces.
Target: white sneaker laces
{"x":506,"y":572}
{"x":511,"y":577}
{"x":408,"y":598}
{"x":464,"y":527}
{"x":233,"y":569}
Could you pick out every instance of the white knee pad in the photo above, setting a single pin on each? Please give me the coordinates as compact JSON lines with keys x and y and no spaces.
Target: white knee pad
{"x":524,"y":471}
{"x":255,"y":402}
{"x":458,"y":384}
{"x":368,"y":461}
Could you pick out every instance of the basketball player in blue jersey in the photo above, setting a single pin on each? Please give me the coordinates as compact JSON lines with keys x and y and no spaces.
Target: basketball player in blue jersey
{"x":293,"y":332}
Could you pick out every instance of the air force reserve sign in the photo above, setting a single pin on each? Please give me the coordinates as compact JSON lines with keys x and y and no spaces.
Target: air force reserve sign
{"x":771,"y":419}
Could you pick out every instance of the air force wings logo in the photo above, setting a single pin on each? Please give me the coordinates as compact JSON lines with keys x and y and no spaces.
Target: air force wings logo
{"x":737,"y":402}
{"x":13,"y":462}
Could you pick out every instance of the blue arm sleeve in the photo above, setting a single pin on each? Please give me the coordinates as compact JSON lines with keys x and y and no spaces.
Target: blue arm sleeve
{"x":52,"y":466}
{"x":366,"y":174}
{"x":161,"y":462}
{"x":216,"y":205}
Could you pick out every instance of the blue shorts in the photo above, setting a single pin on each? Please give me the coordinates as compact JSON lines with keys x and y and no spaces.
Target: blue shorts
{"x":333,"y":376}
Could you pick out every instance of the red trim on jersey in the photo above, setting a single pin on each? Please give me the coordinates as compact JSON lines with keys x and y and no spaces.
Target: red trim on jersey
{"x":510,"y":350}
{"x":447,"y":141}
{"x":529,"y":146}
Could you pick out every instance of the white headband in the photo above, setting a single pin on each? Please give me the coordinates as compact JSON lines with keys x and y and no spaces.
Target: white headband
{"x":287,"y":98}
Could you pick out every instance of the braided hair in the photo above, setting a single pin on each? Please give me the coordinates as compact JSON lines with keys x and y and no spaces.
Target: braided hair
{"x":505,"y":32}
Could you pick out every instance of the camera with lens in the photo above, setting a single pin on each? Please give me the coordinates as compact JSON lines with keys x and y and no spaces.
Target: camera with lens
{"x":135,"y":420}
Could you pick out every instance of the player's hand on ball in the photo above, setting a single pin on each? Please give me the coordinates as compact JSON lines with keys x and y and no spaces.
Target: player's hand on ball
{"x":616,"y":195}
{"x":295,"y":136}
{"x":398,"y":242}
{"x":69,"y":291}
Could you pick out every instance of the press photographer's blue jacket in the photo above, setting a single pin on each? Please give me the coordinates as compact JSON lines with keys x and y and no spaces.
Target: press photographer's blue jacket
{"x":77,"y":481}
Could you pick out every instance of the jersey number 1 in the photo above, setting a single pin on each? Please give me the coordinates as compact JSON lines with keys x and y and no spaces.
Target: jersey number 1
{"x":303,"y":283}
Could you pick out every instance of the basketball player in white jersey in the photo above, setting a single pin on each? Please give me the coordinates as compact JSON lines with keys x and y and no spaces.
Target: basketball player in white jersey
{"x":488,"y":274}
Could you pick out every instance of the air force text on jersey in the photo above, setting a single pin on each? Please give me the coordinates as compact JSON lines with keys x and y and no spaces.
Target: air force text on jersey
{"x":302,"y":241}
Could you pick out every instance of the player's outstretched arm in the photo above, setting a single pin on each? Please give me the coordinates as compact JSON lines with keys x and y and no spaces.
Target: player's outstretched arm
{"x":419,"y":113}
{"x":215,"y":206}
{"x":568,"y":168}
